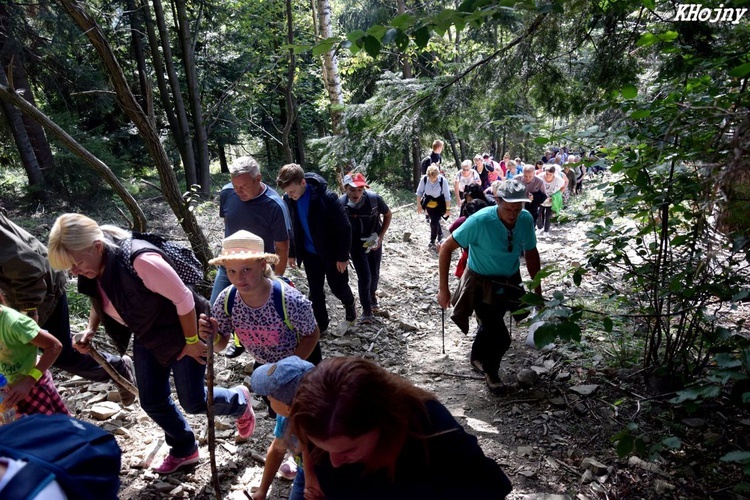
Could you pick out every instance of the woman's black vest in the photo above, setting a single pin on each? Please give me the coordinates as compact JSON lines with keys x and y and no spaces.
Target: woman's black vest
{"x":151,"y":317}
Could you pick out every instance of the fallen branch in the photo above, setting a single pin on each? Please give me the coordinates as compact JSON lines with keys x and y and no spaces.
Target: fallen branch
{"x":455,"y":375}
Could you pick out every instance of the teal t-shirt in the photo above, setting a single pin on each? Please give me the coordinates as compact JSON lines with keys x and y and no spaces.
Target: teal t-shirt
{"x":17,"y":354}
{"x":487,"y":238}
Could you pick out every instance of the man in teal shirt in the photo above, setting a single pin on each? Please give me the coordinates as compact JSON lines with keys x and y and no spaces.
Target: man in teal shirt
{"x":496,"y":236}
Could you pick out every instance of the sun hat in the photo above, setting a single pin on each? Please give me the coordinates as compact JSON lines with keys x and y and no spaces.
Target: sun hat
{"x":281,"y":379}
{"x":512,"y":191}
{"x":356,"y":180}
{"x":243,"y":245}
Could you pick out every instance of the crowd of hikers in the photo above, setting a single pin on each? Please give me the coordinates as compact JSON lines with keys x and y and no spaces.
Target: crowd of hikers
{"x":350,"y":428}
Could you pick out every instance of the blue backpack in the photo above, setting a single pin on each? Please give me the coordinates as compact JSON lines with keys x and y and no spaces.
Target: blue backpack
{"x":81,"y":457}
{"x":279,"y":300}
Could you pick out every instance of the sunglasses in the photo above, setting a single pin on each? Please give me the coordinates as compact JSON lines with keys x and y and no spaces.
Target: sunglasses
{"x":510,"y":241}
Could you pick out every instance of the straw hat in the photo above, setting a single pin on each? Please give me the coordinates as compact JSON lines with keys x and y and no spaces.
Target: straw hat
{"x":243,"y":245}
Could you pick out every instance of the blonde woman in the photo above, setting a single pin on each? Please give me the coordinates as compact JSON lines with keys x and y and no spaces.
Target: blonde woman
{"x":134,"y":289}
{"x":465,"y":177}
{"x":434,"y":196}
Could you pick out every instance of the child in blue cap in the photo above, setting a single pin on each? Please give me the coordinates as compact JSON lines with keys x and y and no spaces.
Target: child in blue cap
{"x":278,"y":382}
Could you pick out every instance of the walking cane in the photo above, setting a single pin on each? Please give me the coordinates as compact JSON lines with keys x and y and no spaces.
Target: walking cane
{"x":442,"y":309}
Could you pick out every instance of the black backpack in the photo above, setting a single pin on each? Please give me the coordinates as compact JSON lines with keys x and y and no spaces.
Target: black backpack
{"x":182,"y":259}
{"x":426,"y":162}
{"x":81,"y":457}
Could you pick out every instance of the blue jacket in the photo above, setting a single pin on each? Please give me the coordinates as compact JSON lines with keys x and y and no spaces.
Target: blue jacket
{"x":329,"y":225}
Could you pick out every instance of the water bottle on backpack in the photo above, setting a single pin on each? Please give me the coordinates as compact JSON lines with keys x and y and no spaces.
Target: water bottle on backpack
{"x":7,"y":415}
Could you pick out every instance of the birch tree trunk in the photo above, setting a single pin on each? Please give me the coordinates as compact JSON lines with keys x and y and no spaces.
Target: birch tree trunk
{"x":148,"y":133}
{"x":330,"y":67}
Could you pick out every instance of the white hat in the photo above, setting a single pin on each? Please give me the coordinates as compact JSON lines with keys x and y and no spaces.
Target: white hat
{"x":243,"y":245}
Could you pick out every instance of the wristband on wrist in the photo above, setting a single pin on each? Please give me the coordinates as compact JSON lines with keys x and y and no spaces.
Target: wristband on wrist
{"x":217,"y":338}
{"x":35,"y":374}
{"x":191,"y":340}
{"x":28,"y":309}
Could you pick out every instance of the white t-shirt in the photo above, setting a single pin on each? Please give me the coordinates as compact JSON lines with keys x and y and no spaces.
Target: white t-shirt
{"x":551,"y":188}
{"x":50,"y":492}
{"x":467,"y":180}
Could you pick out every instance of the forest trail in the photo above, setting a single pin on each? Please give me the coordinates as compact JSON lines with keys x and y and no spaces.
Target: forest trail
{"x":551,"y":433}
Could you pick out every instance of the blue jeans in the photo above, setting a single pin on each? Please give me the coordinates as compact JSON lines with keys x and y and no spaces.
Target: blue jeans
{"x":367,"y":266}
{"x":298,"y":486}
{"x":221,"y":281}
{"x":157,"y":402}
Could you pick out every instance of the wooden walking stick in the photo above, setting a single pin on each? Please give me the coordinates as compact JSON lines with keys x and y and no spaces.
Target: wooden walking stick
{"x":210,"y":411}
{"x":442,"y":309}
{"x":119,"y":379}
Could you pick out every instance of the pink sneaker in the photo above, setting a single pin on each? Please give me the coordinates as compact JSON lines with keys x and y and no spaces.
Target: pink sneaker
{"x":246,"y":422}
{"x":172,"y":463}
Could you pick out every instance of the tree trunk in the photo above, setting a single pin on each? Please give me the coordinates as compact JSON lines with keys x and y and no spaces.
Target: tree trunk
{"x":223,"y":159}
{"x":136,"y":45}
{"x":188,"y":61}
{"x":149,"y":134}
{"x":299,"y":143}
{"x":182,"y":134}
{"x":291,"y":110}
{"x":330,"y":67}
{"x":21,"y":138}
{"x":462,"y":145}
{"x":34,"y":130}
{"x":8,"y":96}
{"x":452,"y":142}
{"x":416,"y":160}
{"x":158,"y":64}
{"x":403,"y":58}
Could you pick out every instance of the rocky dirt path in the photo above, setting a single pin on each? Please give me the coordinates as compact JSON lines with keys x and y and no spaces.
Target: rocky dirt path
{"x":551,"y":434}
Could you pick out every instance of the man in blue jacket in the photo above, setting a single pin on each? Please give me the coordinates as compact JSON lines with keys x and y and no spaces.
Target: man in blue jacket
{"x":322,"y":239}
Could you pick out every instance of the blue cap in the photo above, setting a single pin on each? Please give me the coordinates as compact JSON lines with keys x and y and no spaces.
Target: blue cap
{"x":280,"y":380}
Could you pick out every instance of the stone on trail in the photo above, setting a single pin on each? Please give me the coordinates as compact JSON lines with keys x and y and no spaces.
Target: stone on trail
{"x":527,"y":378}
{"x":585,"y":390}
{"x":594,"y":466}
{"x":104,"y":410}
{"x":662,"y":487}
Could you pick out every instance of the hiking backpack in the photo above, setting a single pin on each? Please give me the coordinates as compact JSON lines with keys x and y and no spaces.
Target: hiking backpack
{"x":81,"y":457}
{"x":426,"y":162}
{"x":279,"y":300}
{"x":182,"y":259}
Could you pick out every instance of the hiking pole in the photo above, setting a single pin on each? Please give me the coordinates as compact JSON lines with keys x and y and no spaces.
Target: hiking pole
{"x":442,"y":309}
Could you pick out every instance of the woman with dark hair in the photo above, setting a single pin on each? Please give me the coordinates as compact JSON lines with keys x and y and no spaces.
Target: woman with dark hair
{"x":368,"y":434}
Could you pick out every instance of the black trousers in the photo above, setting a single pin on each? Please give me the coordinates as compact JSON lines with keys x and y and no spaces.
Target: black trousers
{"x":317,"y":274}
{"x":435,"y":230}
{"x":367,"y":266}
{"x":70,"y":360}
{"x":493,"y":339}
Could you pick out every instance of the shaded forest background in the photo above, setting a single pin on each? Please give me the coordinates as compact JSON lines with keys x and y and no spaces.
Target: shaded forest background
{"x":103,"y":101}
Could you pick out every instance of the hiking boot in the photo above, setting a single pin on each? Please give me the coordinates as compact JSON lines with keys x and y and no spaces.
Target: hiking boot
{"x":127,"y":398}
{"x":246,"y":421}
{"x":366,"y":318}
{"x":495,"y":385}
{"x":431,"y":246}
{"x":351,"y":314}
{"x":234,"y":350}
{"x":172,"y":463}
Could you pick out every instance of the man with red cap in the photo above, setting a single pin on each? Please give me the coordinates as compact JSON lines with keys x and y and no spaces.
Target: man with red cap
{"x":364,"y":209}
